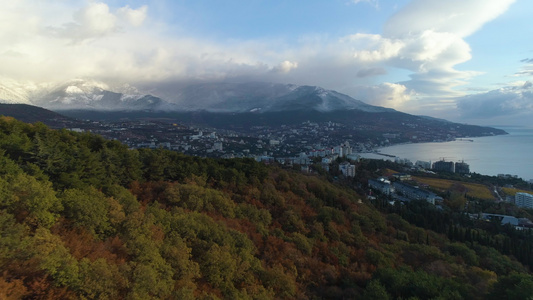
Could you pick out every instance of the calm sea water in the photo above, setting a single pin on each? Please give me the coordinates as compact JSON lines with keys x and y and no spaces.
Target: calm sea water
{"x":503,"y":154}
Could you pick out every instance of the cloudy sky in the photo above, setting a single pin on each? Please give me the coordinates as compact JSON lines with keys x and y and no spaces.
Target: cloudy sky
{"x":464,"y":60}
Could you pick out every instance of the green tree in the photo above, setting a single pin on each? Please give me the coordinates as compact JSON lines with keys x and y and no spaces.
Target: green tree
{"x":30,"y":200}
{"x":55,"y":259}
{"x":375,"y":291}
{"x":88,"y":208}
{"x":12,"y":237}
{"x":100,"y":280}
{"x":514,"y":286}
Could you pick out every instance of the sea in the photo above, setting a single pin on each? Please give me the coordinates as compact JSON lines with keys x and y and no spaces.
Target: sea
{"x":493,"y":155}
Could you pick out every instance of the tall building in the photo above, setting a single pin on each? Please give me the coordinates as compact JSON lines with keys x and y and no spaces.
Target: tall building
{"x":462,"y":168}
{"x":347,"y":169}
{"x":524,"y":200}
{"x":444,"y":166}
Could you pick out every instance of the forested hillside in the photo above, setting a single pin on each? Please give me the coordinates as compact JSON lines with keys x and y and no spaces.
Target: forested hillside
{"x":82,"y":217}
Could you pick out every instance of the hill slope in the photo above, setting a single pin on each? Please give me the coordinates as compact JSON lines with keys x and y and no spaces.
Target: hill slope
{"x":82,"y":217}
{"x":31,"y":114}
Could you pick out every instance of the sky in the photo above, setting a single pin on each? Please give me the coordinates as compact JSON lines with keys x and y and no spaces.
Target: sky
{"x":469,"y":61}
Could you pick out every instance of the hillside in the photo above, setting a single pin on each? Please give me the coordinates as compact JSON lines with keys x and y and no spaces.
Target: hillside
{"x":86,"y":218}
{"x":31,"y":114}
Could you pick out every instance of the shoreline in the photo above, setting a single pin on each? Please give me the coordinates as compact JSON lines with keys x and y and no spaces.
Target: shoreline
{"x":493,"y":155}
{"x":457,"y":139}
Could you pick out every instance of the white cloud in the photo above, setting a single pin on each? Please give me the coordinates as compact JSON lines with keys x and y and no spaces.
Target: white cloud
{"x":386,"y":94}
{"x":373,"y":47}
{"x":459,"y":17}
{"x":135,"y":17}
{"x":285,"y":67}
{"x":513,"y":100}
{"x":426,"y":37}
{"x":97,"y":20}
{"x":94,"y":20}
{"x":118,"y":44}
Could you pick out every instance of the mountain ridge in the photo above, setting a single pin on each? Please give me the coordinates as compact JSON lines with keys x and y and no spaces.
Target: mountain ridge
{"x":214,"y":97}
{"x":32,"y":114}
{"x":233,"y":106}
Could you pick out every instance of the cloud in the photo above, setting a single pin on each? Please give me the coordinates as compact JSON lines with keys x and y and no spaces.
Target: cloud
{"x":462,"y":18}
{"x":426,"y":37}
{"x":285,"y":67}
{"x":527,"y":69}
{"x":94,"y":20}
{"x":62,"y":40}
{"x":374,"y":48}
{"x":368,"y":72}
{"x":135,"y":17}
{"x":374,"y":3}
{"x":512,"y":100}
{"x":386,"y":94}
{"x":97,"y":20}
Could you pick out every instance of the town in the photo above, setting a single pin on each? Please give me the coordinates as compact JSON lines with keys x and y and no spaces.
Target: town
{"x":285,"y":143}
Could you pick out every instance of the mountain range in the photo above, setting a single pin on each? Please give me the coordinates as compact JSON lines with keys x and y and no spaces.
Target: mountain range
{"x":233,"y":106}
{"x":212,"y":97}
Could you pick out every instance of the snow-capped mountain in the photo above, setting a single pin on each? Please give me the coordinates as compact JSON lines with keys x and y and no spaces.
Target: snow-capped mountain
{"x":8,"y":95}
{"x":15,"y":92}
{"x":81,"y":94}
{"x":265,"y":97}
{"x":214,"y":97}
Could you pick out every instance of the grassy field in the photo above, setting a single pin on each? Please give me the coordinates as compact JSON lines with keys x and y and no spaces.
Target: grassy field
{"x":475,"y":190}
{"x":513,"y":191}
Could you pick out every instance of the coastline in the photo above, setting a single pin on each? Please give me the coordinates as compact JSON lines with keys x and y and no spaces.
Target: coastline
{"x":492,"y":155}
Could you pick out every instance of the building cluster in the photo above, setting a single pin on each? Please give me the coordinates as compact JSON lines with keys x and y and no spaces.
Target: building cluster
{"x":508,"y":176}
{"x":401,"y":191}
{"x":524,"y":200}
{"x":439,"y":166}
{"x":286,"y":142}
{"x":341,"y":150}
{"x":326,"y":156}
{"x":451,"y":167}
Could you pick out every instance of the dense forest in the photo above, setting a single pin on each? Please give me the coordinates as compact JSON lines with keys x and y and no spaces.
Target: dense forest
{"x":82,"y":217}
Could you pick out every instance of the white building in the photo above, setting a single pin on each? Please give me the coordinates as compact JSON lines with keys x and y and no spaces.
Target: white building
{"x":347,"y":169}
{"x":355,"y":157}
{"x":524,"y":200}
{"x":327,"y":160}
{"x":218,"y":146}
{"x":382,"y":185}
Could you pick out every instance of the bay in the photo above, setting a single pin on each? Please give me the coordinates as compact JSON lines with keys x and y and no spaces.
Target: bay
{"x":493,"y":155}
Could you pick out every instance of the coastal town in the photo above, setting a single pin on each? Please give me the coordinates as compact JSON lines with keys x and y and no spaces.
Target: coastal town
{"x":281,"y":142}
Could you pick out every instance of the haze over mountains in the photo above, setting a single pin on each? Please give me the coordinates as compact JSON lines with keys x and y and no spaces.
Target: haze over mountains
{"x":233,"y":106}
{"x":213,"y":97}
